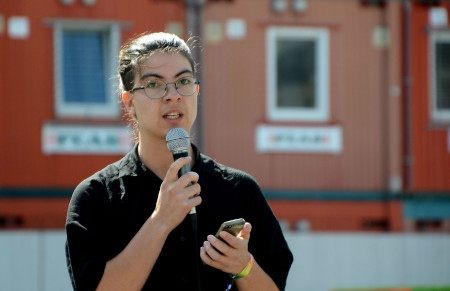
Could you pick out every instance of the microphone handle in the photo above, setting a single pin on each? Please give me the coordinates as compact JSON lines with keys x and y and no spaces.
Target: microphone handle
{"x":192,"y":214}
{"x":186,"y":168}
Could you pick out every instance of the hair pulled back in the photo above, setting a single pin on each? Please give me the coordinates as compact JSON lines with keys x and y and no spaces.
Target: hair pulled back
{"x":140,"y":48}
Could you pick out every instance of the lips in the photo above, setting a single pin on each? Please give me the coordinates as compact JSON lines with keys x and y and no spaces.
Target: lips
{"x":173,"y":115}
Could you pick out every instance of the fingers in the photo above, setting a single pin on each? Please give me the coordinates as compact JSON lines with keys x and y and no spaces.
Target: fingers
{"x":186,"y":185}
{"x":177,"y":195}
{"x":222,"y":256}
{"x":231,"y":240}
{"x":175,"y":167}
{"x":245,"y":232}
{"x":213,"y":251}
{"x":219,"y":245}
{"x":210,"y":254}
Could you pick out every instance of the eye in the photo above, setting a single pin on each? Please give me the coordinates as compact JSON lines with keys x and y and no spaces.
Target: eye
{"x":153,"y":84}
{"x":185,"y":81}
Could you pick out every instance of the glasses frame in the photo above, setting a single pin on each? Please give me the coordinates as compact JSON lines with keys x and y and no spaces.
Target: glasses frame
{"x":165,"y":87}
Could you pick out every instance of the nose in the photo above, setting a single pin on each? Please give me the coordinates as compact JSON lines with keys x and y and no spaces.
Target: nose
{"x":171,"y":92}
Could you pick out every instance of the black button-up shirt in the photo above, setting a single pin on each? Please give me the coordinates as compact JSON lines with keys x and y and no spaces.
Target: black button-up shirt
{"x":108,"y":208}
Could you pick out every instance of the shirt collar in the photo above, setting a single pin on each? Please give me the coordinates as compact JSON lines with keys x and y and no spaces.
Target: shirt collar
{"x":131,"y":165}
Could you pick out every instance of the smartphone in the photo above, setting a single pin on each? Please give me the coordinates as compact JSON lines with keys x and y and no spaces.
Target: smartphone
{"x":231,"y":226}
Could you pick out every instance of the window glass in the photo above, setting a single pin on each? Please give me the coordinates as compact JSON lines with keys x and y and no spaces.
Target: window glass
{"x":443,"y":76}
{"x":84,"y":72}
{"x":296,"y":73}
{"x":440,"y":76}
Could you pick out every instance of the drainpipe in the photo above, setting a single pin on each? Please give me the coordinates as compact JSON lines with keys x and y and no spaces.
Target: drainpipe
{"x":194,"y":18}
{"x":407,"y":118}
{"x":385,"y":120}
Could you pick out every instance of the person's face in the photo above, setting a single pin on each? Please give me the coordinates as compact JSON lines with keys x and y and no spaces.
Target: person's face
{"x":157,"y":116}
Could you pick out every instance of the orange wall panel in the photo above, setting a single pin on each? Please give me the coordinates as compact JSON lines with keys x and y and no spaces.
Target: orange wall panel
{"x":33,"y":212}
{"x":27,"y":93}
{"x":431,"y":156}
{"x":235,"y":91}
{"x":340,"y":215}
{"x":321,"y":215}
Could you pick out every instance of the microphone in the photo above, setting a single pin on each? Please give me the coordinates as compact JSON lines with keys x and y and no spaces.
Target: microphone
{"x":177,"y":140}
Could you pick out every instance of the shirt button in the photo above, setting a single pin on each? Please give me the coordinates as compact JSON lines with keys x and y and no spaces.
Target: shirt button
{"x":182,"y":239}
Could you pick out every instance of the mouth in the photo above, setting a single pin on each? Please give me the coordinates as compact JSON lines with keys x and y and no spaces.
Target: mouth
{"x":173,"y":115}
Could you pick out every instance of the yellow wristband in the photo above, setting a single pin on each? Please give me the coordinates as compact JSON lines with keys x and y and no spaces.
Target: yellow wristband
{"x":246,"y":270}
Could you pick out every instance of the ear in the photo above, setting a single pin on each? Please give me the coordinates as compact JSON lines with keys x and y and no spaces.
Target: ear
{"x":197,"y":89}
{"x":127,"y":99}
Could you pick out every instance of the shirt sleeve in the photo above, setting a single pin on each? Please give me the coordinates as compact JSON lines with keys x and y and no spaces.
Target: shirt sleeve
{"x":85,"y":250}
{"x":267,"y":242}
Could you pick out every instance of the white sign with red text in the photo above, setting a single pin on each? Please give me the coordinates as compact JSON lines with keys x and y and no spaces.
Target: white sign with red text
{"x":85,"y":139}
{"x":300,"y":139}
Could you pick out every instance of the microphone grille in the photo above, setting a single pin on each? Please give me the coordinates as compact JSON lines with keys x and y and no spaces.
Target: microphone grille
{"x":177,"y":140}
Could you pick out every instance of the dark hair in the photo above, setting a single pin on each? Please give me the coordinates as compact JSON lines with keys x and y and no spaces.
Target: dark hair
{"x":142,"y":47}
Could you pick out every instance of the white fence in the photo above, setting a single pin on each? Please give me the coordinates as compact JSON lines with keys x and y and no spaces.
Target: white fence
{"x":328,"y":261}
{"x":35,"y":260}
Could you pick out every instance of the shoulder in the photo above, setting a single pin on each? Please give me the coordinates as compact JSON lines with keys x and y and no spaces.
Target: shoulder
{"x":104,"y":175}
{"x":107,"y":179}
{"x":227,"y":174}
{"x":214,"y":167}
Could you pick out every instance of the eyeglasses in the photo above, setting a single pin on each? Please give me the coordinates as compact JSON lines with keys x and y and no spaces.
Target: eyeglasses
{"x":155,"y":88}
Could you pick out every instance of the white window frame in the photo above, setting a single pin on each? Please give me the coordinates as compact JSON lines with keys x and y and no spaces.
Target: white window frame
{"x":438,"y":115}
{"x":110,"y":109}
{"x":321,"y":112}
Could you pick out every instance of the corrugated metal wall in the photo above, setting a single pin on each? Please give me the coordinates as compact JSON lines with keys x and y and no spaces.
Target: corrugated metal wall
{"x":27,"y":86}
{"x":235,"y":96}
{"x":430,"y":148}
{"x":365,"y":100}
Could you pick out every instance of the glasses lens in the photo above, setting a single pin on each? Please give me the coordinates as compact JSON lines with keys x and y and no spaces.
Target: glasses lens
{"x":186,"y":86}
{"x":155,"y":89}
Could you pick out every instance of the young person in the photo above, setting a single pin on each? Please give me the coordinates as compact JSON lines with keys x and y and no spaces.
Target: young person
{"x":128,"y":226}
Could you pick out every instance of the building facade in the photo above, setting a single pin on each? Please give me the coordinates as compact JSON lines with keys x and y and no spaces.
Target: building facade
{"x":339,"y":109}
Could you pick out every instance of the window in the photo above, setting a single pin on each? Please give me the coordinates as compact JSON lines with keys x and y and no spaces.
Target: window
{"x":440,"y":75}
{"x":297,"y":74}
{"x":85,"y":61}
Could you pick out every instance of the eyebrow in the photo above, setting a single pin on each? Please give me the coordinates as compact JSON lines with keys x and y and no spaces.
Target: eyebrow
{"x":145,"y":76}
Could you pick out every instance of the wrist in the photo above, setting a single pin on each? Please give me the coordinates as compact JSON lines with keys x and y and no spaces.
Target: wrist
{"x":246,"y":270}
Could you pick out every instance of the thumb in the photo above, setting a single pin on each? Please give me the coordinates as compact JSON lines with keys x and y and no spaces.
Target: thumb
{"x":245,"y":232}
